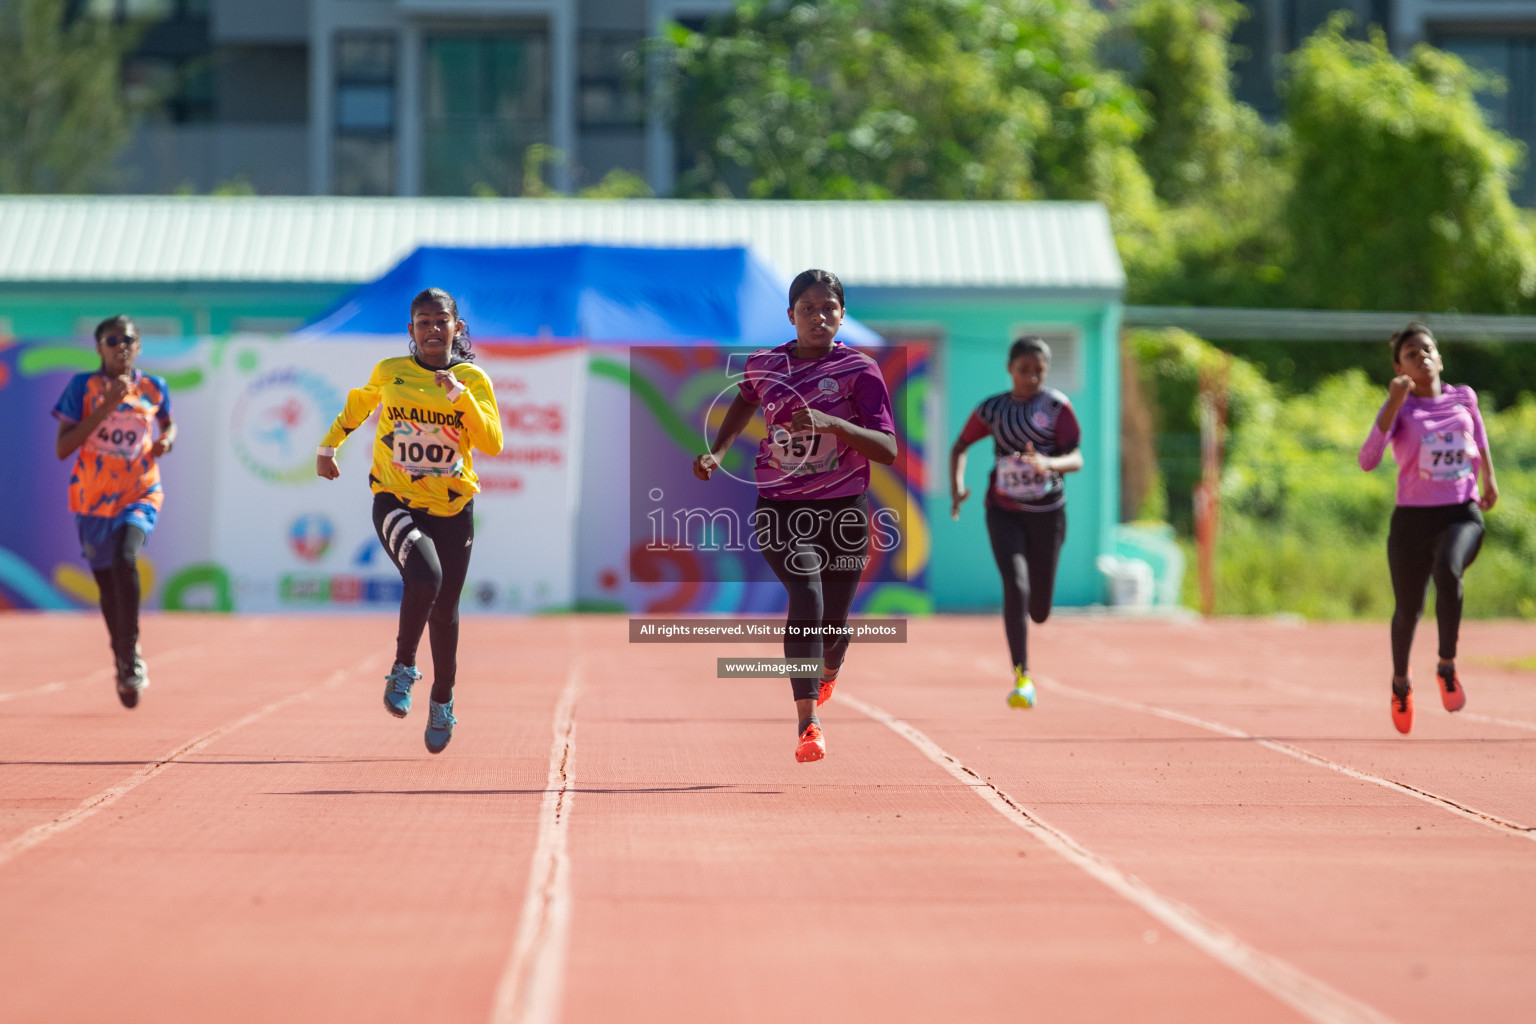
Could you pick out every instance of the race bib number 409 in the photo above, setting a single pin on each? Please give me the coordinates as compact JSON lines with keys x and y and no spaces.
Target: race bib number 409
{"x":802,"y":453}
{"x":1446,"y":455}
{"x":123,"y":435}
{"x":426,"y":450}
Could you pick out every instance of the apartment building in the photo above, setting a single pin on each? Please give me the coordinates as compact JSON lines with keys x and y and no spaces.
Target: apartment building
{"x":394,"y":97}
{"x":443,"y":97}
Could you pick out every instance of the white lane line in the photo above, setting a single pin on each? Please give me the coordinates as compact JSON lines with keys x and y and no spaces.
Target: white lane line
{"x":1329,"y":695}
{"x":101,"y":674}
{"x":530,"y":987}
{"x":39,"y":834}
{"x":48,"y":688}
{"x":1314,"y":999}
{"x":1493,"y":821}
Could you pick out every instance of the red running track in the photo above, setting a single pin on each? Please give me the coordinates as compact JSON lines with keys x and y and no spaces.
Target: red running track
{"x":1198,"y":822}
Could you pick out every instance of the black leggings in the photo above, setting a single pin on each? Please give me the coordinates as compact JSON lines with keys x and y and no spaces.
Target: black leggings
{"x":119,"y":586}
{"x":432,"y":554}
{"x":818,"y":550}
{"x":1430,"y":542}
{"x":1026,"y":546}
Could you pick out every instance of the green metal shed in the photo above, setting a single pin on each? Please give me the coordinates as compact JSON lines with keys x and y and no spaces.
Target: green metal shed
{"x":966,"y":277}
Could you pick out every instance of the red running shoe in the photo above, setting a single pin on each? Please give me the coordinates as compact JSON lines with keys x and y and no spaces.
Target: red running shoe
{"x":824,"y":691}
{"x":1402,"y":709}
{"x":1451,"y":694}
{"x":813,"y":746}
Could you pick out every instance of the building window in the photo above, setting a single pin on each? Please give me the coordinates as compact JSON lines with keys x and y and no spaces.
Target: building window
{"x":1512,"y":57}
{"x":485,"y":101}
{"x":364,"y":151}
{"x":610,"y":85}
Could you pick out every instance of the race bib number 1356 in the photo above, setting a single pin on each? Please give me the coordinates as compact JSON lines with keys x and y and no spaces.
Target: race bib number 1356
{"x":1020,"y":480}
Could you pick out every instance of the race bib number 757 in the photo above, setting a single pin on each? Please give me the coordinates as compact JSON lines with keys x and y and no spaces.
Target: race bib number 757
{"x":803,"y":452}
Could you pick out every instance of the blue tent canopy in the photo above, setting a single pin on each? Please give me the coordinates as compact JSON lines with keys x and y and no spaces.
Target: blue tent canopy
{"x":596,"y":293}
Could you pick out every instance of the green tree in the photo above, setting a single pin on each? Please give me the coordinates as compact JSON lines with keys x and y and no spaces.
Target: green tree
{"x":62,"y":114}
{"x":1200,"y":137}
{"x":1218,"y":167}
{"x":937,"y":99}
{"x":1400,"y":197}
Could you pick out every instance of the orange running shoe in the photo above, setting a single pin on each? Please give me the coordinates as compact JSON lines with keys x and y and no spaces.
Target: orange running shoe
{"x":1402,"y":709}
{"x":828,"y":681}
{"x":1451,"y":694}
{"x":813,"y":746}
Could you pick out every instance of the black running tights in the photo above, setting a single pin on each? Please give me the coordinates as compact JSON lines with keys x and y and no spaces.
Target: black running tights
{"x":1026,"y":547}
{"x":119,"y":586}
{"x":432,"y":554}
{"x":1431,"y":542}
{"x":818,"y":550}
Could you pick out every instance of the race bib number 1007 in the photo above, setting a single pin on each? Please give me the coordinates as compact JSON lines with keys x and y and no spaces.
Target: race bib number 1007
{"x":426,"y":450}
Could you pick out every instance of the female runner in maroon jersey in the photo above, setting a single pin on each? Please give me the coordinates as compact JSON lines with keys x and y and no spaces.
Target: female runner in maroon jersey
{"x":1035,"y":438}
{"x":828,"y":415}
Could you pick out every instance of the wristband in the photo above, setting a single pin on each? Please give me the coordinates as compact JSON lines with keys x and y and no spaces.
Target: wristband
{"x":455,"y":391}
{"x":323,"y":450}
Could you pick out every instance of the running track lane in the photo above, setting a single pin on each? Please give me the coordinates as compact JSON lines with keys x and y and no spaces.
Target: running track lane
{"x":315,"y":864}
{"x":289,"y":872}
{"x":1409,"y":907}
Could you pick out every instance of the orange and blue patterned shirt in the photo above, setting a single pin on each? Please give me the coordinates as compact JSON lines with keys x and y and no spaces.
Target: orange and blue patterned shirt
{"x":114,"y":468}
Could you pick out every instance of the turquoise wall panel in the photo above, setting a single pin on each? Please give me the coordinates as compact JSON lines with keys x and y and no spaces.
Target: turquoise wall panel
{"x":974,"y":335}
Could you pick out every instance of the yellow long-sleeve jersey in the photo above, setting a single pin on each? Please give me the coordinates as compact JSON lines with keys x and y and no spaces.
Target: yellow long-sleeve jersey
{"x":422,"y":449}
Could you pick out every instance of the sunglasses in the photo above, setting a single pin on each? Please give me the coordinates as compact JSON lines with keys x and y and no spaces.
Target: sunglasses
{"x":114,"y":340}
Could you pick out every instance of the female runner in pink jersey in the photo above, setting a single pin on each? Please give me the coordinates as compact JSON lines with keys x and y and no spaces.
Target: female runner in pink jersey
{"x":1439,"y":444}
{"x":828,"y":415}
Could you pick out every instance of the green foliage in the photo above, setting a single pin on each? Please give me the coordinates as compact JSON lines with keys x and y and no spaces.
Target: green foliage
{"x":1400,"y":197}
{"x":920,"y":99}
{"x":617,"y":184}
{"x":1200,"y":139}
{"x":1302,"y":529}
{"x":62,"y":115}
{"x":1169,"y":364}
{"x":1216,"y":165}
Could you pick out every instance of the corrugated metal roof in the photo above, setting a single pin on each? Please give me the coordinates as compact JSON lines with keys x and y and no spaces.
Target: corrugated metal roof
{"x":907,"y":244}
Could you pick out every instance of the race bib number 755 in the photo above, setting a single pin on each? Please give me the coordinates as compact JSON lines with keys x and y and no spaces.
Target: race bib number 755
{"x":1445,"y":455}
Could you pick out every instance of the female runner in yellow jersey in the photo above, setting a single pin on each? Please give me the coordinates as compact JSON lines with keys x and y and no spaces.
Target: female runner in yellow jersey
{"x":436,"y":406}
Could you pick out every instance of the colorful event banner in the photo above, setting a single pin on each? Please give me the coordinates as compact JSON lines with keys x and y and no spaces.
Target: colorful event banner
{"x":654,"y":539}
{"x":248,"y":526}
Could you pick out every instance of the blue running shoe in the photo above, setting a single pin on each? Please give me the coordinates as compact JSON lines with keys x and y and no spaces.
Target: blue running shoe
{"x":397,"y":689}
{"x":1023,"y":693}
{"x":440,"y":725}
